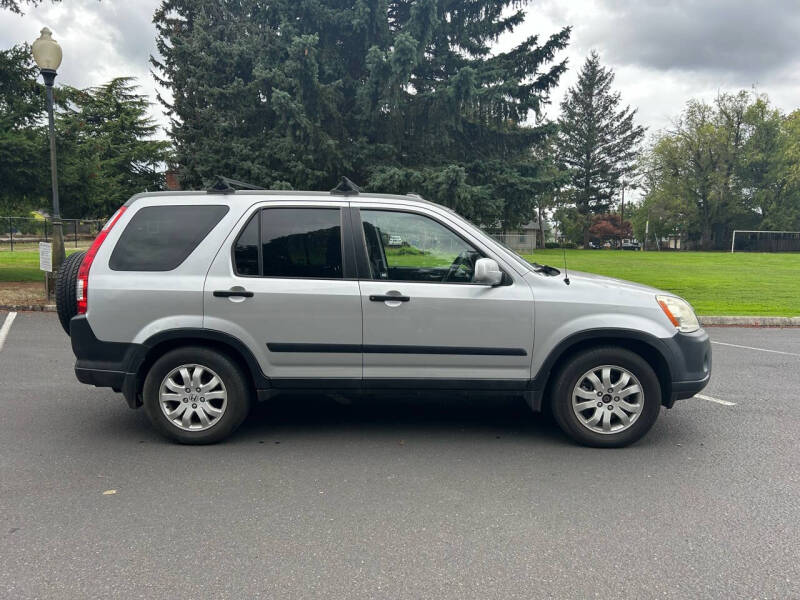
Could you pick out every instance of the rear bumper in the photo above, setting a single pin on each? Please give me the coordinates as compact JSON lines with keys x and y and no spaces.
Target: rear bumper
{"x":100,"y":377}
{"x":105,"y":364}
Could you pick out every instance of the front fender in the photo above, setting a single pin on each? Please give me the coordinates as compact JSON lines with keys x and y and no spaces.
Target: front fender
{"x":552,"y":339}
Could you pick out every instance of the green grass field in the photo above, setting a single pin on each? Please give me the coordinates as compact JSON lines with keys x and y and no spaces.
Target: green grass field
{"x":22,"y":265}
{"x":716,"y":283}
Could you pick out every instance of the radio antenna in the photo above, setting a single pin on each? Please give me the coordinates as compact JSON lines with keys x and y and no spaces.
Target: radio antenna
{"x":564,"y":252}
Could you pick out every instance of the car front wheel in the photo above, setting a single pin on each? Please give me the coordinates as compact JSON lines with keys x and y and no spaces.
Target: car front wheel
{"x":195,"y":395}
{"x":606,"y":397}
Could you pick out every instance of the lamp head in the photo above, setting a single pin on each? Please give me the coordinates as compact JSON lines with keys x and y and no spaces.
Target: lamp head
{"x":46,"y":51}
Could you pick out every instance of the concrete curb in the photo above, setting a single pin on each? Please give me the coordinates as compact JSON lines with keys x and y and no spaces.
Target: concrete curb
{"x":750,"y":321}
{"x":709,"y":321}
{"x":28,"y":307}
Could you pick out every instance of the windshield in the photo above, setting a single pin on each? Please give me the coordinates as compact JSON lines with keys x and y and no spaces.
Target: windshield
{"x":518,"y":256}
{"x":510,"y":252}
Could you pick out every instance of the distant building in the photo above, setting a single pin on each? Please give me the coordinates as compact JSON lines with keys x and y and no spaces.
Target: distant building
{"x":173,"y":183}
{"x":522,"y":239}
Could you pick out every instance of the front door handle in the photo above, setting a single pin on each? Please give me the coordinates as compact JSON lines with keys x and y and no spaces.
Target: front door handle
{"x":232,"y":294}
{"x":396,"y":297}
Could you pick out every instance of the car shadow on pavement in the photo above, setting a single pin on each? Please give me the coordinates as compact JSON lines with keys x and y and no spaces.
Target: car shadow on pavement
{"x":433,"y":416}
{"x":407,"y":415}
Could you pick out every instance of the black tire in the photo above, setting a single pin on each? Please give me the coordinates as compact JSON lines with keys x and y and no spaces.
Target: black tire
{"x":66,"y":288}
{"x":238,"y":394}
{"x":567,"y":378}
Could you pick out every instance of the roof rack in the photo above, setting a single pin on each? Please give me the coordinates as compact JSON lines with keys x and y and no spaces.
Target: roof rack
{"x":345,"y":188}
{"x":226,"y":185}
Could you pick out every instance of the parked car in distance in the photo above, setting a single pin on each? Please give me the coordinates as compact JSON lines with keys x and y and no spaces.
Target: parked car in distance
{"x":194,"y":305}
{"x":630,"y":245}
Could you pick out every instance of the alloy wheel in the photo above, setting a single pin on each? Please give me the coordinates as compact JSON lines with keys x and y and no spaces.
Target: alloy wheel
{"x":193,"y":397}
{"x":607,"y":399}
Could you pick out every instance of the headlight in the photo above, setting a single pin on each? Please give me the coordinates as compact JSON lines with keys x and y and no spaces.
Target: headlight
{"x":679,"y":312}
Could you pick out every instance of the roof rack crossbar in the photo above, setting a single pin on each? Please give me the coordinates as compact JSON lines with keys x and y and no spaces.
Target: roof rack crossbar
{"x":226,"y":185}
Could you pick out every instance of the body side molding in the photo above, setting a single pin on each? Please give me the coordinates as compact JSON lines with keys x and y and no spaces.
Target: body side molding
{"x":395,"y":349}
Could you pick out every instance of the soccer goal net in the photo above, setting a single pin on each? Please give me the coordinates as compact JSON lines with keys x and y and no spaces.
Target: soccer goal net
{"x":765,"y":241}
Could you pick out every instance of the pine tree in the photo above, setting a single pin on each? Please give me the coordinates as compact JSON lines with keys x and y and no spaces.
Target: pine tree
{"x":399,"y":95}
{"x":598,"y":141}
{"x":107,"y":151}
{"x":23,"y":143}
{"x":105,"y":137}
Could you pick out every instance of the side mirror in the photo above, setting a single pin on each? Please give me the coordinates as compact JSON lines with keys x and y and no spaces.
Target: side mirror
{"x":487,"y":272}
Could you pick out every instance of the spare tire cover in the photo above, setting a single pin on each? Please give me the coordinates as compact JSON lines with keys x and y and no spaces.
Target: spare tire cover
{"x":66,"y":288}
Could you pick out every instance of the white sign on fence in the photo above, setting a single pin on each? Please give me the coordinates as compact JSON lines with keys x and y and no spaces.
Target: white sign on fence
{"x":46,"y":257}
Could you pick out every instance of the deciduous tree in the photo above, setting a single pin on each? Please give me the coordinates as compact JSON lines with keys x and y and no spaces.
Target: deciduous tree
{"x":723,"y":166}
{"x":609,"y":227}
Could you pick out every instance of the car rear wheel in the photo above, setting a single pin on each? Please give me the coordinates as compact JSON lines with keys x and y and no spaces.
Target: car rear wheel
{"x":66,"y":288}
{"x":195,"y":395}
{"x":606,"y":397}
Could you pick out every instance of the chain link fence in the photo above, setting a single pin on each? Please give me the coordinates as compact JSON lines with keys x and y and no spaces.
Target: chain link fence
{"x":25,"y":233}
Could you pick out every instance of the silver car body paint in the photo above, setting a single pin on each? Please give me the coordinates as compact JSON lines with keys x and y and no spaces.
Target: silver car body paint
{"x":447,"y":314}
{"x":533,"y":314}
{"x":287,"y":310}
{"x":591,"y":302}
{"x":130,"y":306}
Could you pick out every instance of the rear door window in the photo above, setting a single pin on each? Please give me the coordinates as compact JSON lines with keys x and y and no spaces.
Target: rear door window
{"x":294,"y":243}
{"x":160,"y":238}
{"x":246,"y":249}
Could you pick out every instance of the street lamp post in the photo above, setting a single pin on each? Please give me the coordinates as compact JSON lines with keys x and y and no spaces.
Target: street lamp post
{"x":47,"y":54}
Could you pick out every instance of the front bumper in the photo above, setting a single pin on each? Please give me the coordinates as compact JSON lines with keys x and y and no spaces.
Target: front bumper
{"x":690,"y":366}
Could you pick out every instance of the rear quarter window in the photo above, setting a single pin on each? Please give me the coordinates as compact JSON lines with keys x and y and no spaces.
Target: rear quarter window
{"x":160,"y":238}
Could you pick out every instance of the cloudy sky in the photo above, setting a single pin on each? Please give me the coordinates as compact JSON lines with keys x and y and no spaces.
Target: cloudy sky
{"x":663,"y":51}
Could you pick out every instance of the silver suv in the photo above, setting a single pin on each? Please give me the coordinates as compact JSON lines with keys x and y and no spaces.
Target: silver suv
{"x":195,"y":304}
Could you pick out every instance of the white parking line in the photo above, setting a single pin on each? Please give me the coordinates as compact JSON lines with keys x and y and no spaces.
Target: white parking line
{"x":6,"y":328}
{"x":759,"y":349}
{"x":717,"y":400}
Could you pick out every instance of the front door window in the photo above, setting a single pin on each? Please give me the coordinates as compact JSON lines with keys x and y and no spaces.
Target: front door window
{"x":411,"y":247}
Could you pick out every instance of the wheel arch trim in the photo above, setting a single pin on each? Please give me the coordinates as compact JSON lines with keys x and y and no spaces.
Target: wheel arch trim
{"x":632,"y":339}
{"x":161,"y":342}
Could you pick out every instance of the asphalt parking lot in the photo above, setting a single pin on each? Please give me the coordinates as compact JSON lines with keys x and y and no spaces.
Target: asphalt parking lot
{"x":399,"y":499}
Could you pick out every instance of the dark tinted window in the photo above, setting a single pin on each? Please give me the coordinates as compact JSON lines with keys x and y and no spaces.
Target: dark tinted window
{"x":159,"y":238}
{"x":301,"y":242}
{"x":245,"y":249}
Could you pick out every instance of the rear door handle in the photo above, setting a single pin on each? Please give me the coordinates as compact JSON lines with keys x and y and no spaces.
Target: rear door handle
{"x":232,"y":294}
{"x":390,"y":298}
